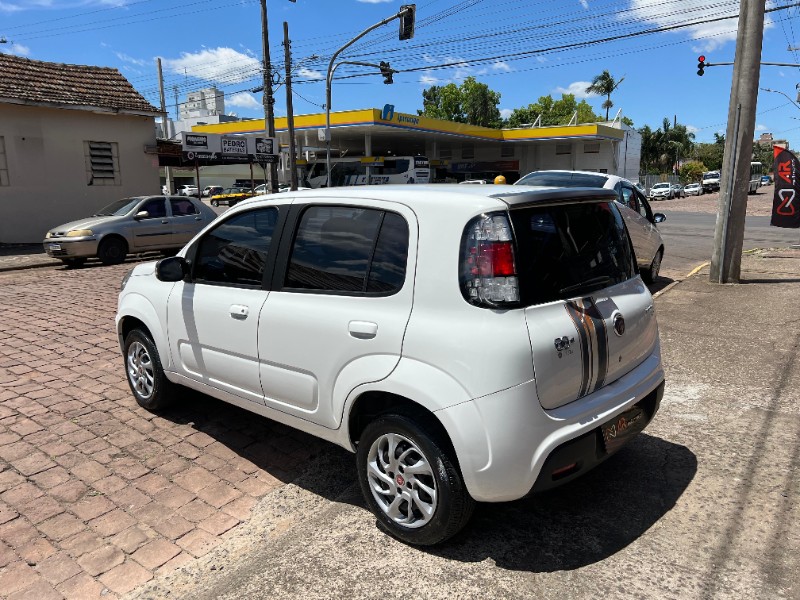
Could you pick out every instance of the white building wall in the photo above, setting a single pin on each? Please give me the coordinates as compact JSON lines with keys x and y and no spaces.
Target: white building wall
{"x":48,"y":179}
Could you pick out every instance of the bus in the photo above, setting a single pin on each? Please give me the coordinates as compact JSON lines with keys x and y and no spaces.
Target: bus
{"x":756,"y":171}
{"x":353,"y":171}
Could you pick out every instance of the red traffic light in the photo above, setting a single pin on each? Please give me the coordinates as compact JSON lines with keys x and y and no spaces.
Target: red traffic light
{"x":701,"y":58}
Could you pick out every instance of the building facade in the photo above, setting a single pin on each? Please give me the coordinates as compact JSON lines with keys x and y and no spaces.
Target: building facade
{"x":85,"y":127}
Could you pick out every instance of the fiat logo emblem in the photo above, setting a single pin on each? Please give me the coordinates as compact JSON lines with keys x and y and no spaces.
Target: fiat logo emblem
{"x":619,"y":324}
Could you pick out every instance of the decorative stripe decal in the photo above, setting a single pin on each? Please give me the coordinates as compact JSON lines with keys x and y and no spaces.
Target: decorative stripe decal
{"x":591,"y":328}
{"x":574,"y":313}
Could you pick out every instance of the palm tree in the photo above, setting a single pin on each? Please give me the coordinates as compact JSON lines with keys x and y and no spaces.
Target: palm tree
{"x":603,"y":85}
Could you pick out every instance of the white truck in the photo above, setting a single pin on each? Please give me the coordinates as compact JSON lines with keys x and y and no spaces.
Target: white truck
{"x":711,"y":181}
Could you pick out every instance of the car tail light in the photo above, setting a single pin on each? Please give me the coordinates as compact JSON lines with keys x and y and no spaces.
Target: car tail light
{"x":488,"y":268}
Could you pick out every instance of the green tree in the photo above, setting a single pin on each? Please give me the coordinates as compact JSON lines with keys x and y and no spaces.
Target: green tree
{"x":604,"y":85}
{"x":666,"y":146}
{"x":692,"y":171}
{"x":710,"y":155}
{"x":764,"y":155}
{"x":553,"y":112}
{"x":472,"y":102}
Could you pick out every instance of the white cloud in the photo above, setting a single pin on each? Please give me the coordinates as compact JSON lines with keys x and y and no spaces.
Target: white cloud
{"x":374,"y":1}
{"x":708,"y":35}
{"x":428,"y":80}
{"x":506,"y":112}
{"x":223,"y":65}
{"x":310,"y":73}
{"x":243,"y":100}
{"x":129,"y":59}
{"x":17,"y":49}
{"x":501,"y":66}
{"x":584,"y":4}
{"x":10,"y":7}
{"x":761,"y":127}
{"x":577,"y":88}
{"x":691,"y":129}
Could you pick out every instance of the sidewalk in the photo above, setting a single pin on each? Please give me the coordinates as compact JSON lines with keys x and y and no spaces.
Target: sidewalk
{"x":24,"y":256}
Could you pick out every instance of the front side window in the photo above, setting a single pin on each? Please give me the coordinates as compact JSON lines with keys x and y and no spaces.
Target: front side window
{"x":235,"y":252}
{"x":629,"y":198}
{"x":348,"y":249}
{"x":156,"y":209}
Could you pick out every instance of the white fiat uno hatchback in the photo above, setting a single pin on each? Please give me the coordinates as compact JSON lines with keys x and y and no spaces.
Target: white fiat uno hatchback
{"x":468,"y":343}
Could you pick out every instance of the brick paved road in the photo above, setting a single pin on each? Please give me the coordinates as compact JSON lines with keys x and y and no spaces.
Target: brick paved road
{"x":97,"y":495}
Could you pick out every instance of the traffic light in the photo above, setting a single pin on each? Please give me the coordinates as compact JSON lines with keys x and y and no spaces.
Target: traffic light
{"x":701,"y":64}
{"x":407,"y":13}
{"x":386,"y":71}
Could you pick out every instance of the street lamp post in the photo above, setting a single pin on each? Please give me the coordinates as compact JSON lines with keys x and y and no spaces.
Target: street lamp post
{"x":405,"y":12}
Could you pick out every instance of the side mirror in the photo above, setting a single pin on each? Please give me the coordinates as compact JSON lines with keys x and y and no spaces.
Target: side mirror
{"x":172,"y":269}
{"x":659,"y":218}
{"x":142,"y":214}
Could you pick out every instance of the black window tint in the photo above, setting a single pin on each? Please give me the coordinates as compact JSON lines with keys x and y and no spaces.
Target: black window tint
{"x":644,"y":207}
{"x":628,"y":197}
{"x":570,"y":249}
{"x":388,"y":269}
{"x":156,"y":208}
{"x":332,"y":249}
{"x":182,"y":207}
{"x":564,"y":179}
{"x":235,"y":252}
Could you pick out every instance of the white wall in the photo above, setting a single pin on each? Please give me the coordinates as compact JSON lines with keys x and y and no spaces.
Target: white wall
{"x":47,"y":170}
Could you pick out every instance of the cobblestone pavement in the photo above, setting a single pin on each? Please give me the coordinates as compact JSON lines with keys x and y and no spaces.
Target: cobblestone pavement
{"x":97,"y":495}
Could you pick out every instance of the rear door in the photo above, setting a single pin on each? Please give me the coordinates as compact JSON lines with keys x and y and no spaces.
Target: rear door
{"x":339,"y":307}
{"x":590,"y":318}
{"x":187,"y":220}
{"x":155,"y":230}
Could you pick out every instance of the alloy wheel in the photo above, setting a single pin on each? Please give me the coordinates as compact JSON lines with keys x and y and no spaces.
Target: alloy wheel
{"x":140,"y":370}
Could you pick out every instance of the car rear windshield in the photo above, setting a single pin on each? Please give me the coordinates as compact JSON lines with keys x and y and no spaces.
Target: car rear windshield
{"x":711,"y":176}
{"x":566,"y":250}
{"x":563,"y":179}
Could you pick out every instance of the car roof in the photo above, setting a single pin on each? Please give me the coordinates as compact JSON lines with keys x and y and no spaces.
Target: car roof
{"x":471,"y":198}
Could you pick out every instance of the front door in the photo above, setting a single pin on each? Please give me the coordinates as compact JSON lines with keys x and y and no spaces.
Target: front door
{"x":186,"y":220}
{"x":338,"y":316}
{"x":213,"y":317}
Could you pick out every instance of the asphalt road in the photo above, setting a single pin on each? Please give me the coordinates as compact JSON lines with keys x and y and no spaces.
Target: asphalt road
{"x":689,"y":239}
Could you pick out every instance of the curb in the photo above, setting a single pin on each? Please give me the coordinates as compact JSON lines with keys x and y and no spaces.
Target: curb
{"x":691,"y":273}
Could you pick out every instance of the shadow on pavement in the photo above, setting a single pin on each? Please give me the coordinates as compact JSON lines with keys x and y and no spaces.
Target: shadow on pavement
{"x":579,"y":524}
{"x":775,"y":280}
{"x":659,"y":284}
{"x":585,"y":521}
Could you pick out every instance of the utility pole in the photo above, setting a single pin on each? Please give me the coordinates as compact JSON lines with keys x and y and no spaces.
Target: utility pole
{"x":164,"y":123}
{"x":269,"y":116}
{"x":177,"y":113}
{"x":287,"y":58}
{"x":726,"y":259}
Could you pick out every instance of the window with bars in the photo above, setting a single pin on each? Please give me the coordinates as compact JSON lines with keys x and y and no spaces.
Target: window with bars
{"x":102,"y":163}
{"x":3,"y":163}
{"x":563,"y":148}
{"x":467,"y":151}
{"x":445,"y":153}
{"x":507,"y":150}
{"x":591,"y":147}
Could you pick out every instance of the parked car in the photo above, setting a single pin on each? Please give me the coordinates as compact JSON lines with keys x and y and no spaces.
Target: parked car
{"x":262,"y":189}
{"x":476,"y":181}
{"x":129,"y":226}
{"x":677,"y":190}
{"x":231,"y":196}
{"x":662,"y":191}
{"x":693,"y":189}
{"x":639,"y":217}
{"x":351,"y":336}
{"x":765,"y":180}
{"x":187,"y":190}
{"x":212,"y":190}
{"x":711,"y":181}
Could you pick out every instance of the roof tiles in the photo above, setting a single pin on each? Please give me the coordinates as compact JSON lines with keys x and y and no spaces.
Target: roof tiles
{"x":57,"y":84}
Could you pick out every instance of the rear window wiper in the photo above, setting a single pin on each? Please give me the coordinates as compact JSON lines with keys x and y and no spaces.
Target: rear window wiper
{"x":600,"y":281}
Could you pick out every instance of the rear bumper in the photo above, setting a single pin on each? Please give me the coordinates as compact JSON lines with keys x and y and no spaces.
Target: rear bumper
{"x":504,"y":440}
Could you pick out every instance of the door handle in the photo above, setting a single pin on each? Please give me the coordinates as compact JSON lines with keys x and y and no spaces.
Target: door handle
{"x":164,"y":222}
{"x":363,"y":330}
{"x":198,"y":218}
{"x":239,"y":311}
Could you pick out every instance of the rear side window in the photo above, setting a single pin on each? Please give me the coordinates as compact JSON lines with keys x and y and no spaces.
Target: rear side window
{"x":566,"y":250}
{"x":235,"y":252}
{"x":347,"y":249}
{"x":182,"y":207}
{"x":566,"y":179}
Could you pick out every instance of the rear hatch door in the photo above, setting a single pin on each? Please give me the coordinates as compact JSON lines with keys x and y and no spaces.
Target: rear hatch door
{"x":589,"y":316}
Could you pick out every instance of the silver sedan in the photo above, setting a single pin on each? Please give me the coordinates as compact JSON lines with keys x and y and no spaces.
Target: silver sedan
{"x":128,"y":226}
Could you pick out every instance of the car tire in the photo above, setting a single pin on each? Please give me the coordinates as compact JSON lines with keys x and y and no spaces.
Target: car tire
{"x":73,"y":263}
{"x":112,"y":251}
{"x":651,"y":273}
{"x":400,"y":500}
{"x":145,"y":375}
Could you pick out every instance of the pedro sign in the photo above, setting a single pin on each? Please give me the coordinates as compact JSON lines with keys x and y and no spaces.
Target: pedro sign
{"x":786,"y":203}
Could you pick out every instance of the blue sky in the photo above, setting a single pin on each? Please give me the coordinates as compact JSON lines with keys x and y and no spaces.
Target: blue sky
{"x":521,"y":48}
